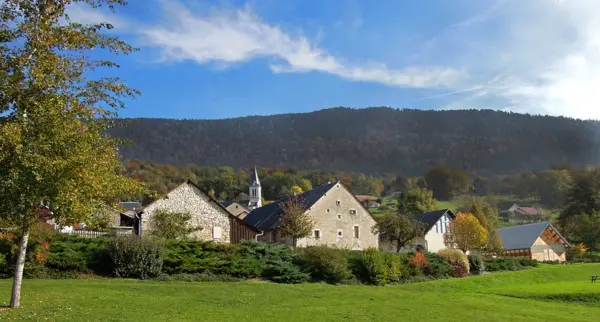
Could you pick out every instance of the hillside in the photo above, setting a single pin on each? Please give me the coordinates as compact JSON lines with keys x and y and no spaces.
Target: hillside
{"x":373,"y":140}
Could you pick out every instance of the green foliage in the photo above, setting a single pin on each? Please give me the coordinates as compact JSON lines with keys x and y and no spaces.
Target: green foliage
{"x":296,"y":223}
{"x":134,"y":256}
{"x":169,"y":224}
{"x":373,"y":268}
{"x":458,"y":260}
{"x":437,"y":267}
{"x":476,"y":264}
{"x":508,"y":264}
{"x":487,"y":214}
{"x":325,"y":264}
{"x":586,"y":229}
{"x":415,"y":201}
{"x":446,"y":182}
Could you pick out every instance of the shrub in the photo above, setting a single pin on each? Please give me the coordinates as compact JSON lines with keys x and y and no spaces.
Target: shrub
{"x":457,"y":259}
{"x":476,"y":264}
{"x":526,"y":262}
{"x":183,"y":277}
{"x":325,"y":264}
{"x":393,"y":263}
{"x":500,"y":264}
{"x":284,"y":272}
{"x":137,"y":257}
{"x":554,"y":262}
{"x":373,"y":268}
{"x":437,"y":267}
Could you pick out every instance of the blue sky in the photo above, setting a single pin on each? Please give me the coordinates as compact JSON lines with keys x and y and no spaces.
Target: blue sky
{"x":219,"y":59}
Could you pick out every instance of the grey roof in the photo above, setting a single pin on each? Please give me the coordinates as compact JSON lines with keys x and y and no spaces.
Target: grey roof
{"x":130,"y":205}
{"x":523,"y":237}
{"x":228,"y":203}
{"x":254,"y":178}
{"x":430,"y":218}
{"x":268,"y":217}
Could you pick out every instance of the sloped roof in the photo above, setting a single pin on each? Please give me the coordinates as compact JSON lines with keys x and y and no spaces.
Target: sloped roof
{"x":523,"y":237}
{"x":430,"y":218}
{"x":366,"y":197}
{"x":268,"y":217}
{"x":529,"y":210}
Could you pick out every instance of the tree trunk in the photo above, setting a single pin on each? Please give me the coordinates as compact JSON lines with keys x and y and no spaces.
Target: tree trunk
{"x":294,"y":242}
{"x":16,"y":290}
{"x":398,"y":247}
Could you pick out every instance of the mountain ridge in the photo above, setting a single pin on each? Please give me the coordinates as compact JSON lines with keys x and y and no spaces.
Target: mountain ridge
{"x":370,"y":140}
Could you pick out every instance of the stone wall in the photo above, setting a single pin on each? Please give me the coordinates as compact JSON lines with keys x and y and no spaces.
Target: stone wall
{"x":206,"y":214}
{"x":332,"y":217}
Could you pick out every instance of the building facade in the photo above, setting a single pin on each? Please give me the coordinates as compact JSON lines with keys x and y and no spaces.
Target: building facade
{"x":340,"y":219}
{"x":216,"y":223}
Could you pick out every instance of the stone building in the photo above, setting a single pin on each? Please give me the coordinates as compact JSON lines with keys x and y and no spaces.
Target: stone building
{"x":236,"y":208}
{"x":217,"y":223}
{"x":340,"y":219}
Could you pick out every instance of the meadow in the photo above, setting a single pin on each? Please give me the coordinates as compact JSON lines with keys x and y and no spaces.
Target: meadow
{"x":551,"y":292}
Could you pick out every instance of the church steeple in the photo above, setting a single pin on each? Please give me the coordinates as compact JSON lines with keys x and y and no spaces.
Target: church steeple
{"x":255,"y":191}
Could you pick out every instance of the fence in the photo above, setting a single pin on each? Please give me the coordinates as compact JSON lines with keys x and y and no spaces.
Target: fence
{"x":120,"y":231}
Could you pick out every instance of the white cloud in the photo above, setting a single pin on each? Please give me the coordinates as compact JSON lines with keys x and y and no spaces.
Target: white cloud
{"x":543,"y":58}
{"x":239,"y":36}
{"x":86,"y":15}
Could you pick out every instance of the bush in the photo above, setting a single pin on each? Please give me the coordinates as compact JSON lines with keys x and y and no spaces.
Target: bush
{"x":196,"y":278}
{"x":393,"y":264}
{"x":373,"y":268}
{"x":500,"y":264}
{"x":437,"y":267}
{"x":137,"y":257}
{"x":325,"y":264}
{"x":457,"y":259}
{"x":285,"y":272}
{"x":476,"y":264}
{"x":526,"y":262}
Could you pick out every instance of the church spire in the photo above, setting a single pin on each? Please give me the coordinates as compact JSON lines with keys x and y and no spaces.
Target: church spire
{"x":255,"y":191}
{"x":254,"y":178}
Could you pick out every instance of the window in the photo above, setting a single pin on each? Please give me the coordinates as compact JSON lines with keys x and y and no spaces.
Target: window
{"x":328,"y":210}
{"x":352,"y":211}
{"x":356,"y":231}
{"x":317,"y":234}
{"x":339,"y":217}
{"x":436,"y":228}
{"x":339,"y":203}
{"x":217,"y":232}
{"x":340,"y":233}
{"x":253,"y":192}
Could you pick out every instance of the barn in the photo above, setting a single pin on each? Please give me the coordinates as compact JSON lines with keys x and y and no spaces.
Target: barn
{"x":540,"y":241}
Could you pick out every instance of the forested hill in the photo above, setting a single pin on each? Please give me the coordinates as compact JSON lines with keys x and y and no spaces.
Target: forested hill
{"x":372,"y":140}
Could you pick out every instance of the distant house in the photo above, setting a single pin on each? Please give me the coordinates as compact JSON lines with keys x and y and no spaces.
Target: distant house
{"x":341,"y":220}
{"x":436,"y":224}
{"x":539,"y":241}
{"x":217,"y":223}
{"x":369,"y":201}
{"x":236,"y":208}
{"x":523,"y":215}
{"x":127,"y":213}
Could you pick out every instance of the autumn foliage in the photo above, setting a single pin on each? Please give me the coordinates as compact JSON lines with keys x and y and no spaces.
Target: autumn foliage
{"x":466,"y":233}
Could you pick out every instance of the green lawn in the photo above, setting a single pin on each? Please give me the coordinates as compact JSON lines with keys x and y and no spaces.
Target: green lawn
{"x":550,"y":293}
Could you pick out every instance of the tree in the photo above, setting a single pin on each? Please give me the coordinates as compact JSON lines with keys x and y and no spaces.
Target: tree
{"x":415,"y":201}
{"x":583,"y":197}
{"x":172,"y":224}
{"x":296,"y":223}
{"x":398,"y":229}
{"x":487,"y":214}
{"x":553,"y":186}
{"x":466,"y":233}
{"x":54,"y":149}
{"x":586,"y":229}
{"x":447,"y":182}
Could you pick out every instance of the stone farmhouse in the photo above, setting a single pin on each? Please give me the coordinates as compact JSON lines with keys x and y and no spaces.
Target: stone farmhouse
{"x":340,"y":219}
{"x":540,"y":241}
{"x":436,"y":224}
{"x":217,"y":223}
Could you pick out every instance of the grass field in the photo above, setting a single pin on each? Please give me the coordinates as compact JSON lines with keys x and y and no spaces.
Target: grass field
{"x":550,"y":293}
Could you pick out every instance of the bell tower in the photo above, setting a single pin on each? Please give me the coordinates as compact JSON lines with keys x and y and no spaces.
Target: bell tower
{"x":254,"y":192}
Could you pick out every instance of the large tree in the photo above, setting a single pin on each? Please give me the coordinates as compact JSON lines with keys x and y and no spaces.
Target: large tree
{"x":415,"y":201}
{"x":53,"y":146}
{"x":446,"y":182}
{"x":583,"y":197}
{"x":486,"y":211}
{"x":398,"y":229}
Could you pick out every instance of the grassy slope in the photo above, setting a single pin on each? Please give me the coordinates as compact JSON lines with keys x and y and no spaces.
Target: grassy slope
{"x":532,"y":295}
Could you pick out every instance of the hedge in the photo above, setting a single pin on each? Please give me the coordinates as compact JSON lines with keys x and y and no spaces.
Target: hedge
{"x":60,"y":256}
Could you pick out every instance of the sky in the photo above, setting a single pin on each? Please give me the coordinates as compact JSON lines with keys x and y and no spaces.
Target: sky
{"x":230,"y":58}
